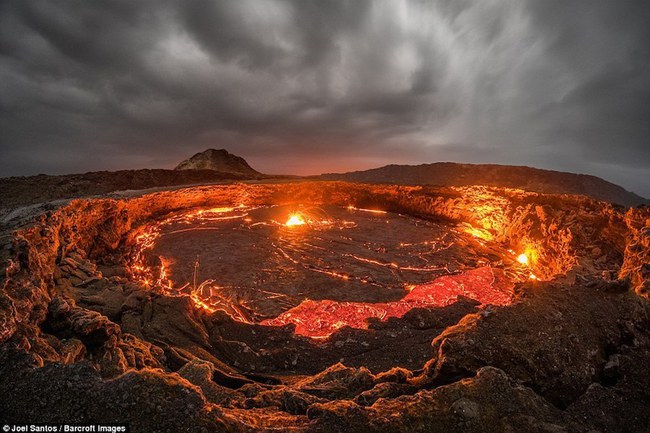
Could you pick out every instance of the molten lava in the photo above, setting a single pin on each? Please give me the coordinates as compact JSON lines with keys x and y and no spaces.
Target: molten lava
{"x":319,"y":319}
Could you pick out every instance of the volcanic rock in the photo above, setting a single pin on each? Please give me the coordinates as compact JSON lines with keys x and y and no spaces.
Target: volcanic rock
{"x":218,"y":160}
{"x":285,"y":399}
{"x":37,"y":191}
{"x":526,"y":178}
{"x":384,"y":390}
{"x":90,"y":326}
{"x":338,"y":382}
{"x":200,"y":373}
{"x":559,"y":358}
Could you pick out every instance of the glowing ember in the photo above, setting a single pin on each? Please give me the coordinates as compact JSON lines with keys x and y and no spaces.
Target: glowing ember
{"x":319,"y":319}
{"x":295,"y":219}
{"x":523,"y":259}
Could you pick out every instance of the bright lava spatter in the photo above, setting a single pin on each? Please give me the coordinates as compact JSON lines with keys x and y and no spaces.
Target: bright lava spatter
{"x":295,"y":219}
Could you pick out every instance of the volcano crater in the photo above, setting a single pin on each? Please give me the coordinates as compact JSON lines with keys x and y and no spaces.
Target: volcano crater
{"x":326,"y":290}
{"x":255,"y":264}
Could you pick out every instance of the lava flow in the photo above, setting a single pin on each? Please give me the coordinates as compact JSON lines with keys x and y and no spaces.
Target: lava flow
{"x":319,"y":319}
{"x":344,"y":265}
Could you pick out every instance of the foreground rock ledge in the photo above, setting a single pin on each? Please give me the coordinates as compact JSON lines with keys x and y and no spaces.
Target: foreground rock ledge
{"x":80,"y":342}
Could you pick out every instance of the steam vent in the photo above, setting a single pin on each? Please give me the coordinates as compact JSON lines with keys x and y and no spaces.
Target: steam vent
{"x":328,"y":306}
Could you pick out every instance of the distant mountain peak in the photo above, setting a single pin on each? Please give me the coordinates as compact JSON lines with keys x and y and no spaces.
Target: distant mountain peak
{"x":217,"y":160}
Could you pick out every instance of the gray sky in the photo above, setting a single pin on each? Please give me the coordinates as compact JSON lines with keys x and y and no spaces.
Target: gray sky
{"x":306,"y":87}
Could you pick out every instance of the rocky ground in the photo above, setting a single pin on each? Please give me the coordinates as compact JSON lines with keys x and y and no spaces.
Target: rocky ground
{"x":81,"y":340}
{"x":29,"y":190}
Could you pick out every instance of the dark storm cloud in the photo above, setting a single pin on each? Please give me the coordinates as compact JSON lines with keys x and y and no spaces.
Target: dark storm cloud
{"x":309,"y":86}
